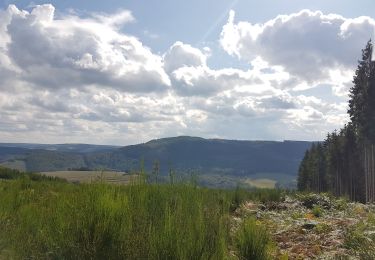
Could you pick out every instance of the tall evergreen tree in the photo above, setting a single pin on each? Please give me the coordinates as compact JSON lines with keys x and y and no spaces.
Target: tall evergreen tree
{"x":344,"y":163}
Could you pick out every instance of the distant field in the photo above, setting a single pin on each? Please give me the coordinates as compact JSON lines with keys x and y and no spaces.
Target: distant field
{"x":261,"y":183}
{"x":91,"y":176}
{"x":230,"y":181}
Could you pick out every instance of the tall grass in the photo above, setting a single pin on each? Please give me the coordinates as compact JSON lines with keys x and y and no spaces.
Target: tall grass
{"x":57,"y":220}
{"x":253,"y":241}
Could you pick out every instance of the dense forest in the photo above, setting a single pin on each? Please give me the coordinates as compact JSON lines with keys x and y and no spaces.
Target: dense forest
{"x":344,"y":163}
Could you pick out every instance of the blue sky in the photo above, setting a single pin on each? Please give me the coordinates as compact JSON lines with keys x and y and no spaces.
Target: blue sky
{"x":123,"y":72}
{"x":195,"y":20}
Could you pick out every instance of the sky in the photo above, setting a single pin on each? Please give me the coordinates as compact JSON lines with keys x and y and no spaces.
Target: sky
{"x":125,"y":72}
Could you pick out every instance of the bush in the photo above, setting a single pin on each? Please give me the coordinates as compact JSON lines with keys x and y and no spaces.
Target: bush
{"x":253,"y":241}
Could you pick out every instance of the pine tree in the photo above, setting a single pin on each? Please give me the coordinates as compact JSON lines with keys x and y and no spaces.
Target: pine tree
{"x":344,"y":163}
{"x":362,"y":114}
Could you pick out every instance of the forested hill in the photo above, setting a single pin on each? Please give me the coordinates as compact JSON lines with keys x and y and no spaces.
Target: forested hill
{"x":209,"y":155}
{"x":183,"y":154}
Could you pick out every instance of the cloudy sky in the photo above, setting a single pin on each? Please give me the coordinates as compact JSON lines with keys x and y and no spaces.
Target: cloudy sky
{"x":124,"y":72}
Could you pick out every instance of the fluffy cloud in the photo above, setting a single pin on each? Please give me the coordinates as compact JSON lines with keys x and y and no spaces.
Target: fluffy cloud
{"x":71,"y":79}
{"x":73,"y":52}
{"x":311,"y":46}
{"x":183,"y":55}
{"x":191,"y":76}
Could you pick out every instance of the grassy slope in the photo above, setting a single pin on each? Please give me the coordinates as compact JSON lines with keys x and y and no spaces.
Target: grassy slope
{"x":46,"y":218}
{"x":52,"y":219}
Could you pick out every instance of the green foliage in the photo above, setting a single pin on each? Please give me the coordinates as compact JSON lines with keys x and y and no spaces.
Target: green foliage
{"x":253,"y":241}
{"x":317,"y":211}
{"x":56,"y":220}
{"x":99,"y":221}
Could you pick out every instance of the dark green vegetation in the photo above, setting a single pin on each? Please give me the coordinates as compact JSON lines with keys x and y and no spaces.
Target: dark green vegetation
{"x":209,"y":158}
{"x":49,"y":219}
{"x":10,"y":174}
{"x":344,"y":163}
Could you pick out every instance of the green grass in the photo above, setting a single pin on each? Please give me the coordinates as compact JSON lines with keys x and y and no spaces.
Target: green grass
{"x":253,"y":241}
{"x":51,"y":219}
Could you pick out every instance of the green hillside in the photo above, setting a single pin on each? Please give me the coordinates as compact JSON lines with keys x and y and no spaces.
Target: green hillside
{"x":219,"y":163}
{"x":238,"y":158}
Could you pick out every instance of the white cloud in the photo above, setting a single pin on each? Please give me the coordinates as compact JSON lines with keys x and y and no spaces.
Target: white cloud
{"x":74,"y":79}
{"x":191,"y":76}
{"x":308,"y":45}
{"x":182,"y":55}
{"x":76,"y":52}
{"x":118,"y":19}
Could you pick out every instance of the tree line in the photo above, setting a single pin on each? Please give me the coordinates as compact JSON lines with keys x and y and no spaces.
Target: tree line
{"x":344,"y":163}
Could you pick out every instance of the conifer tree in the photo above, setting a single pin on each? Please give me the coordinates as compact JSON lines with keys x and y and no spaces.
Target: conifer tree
{"x":344,"y":163}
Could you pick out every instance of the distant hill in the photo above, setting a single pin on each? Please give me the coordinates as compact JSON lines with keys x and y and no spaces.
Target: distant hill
{"x":48,"y":157}
{"x":212,"y":157}
{"x":77,"y":148}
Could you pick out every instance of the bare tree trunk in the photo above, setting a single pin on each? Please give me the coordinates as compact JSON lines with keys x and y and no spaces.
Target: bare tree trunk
{"x":372,"y":173}
{"x":369,"y":169}
{"x":337,"y":181}
{"x":365,"y":169}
